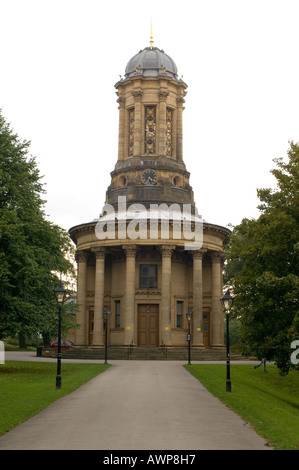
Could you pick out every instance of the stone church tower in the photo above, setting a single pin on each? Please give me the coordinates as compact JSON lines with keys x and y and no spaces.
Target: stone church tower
{"x":149,"y":257}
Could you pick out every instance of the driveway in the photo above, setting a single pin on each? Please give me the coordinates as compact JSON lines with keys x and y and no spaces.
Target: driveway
{"x":138,"y":405}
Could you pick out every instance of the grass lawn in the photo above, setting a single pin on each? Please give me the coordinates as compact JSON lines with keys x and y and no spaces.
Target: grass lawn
{"x":268,"y":401}
{"x":28,"y":387}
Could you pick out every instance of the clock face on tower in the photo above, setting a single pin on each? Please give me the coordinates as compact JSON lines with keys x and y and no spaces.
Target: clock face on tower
{"x":149,"y":177}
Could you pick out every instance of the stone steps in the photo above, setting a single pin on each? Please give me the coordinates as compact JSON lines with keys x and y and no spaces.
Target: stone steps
{"x":122,"y":353}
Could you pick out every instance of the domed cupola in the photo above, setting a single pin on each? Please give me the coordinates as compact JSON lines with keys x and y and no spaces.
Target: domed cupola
{"x":151,"y":62}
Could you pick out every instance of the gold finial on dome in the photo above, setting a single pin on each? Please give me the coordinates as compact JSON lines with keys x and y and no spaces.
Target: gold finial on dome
{"x":151,"y":38}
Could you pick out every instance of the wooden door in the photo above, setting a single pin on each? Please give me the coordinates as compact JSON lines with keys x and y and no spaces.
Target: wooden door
{"x":148,"y":325}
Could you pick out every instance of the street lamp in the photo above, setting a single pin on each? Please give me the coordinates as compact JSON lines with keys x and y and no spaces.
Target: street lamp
{"x":106,"y":314}
{"x":189,"y":316}
{"x":60,"y":294}
{"x":227,"y":303}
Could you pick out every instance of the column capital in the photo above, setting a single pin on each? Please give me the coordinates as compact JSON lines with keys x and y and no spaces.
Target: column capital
{"x":167,"y":250}
{"x":180,"y":102}
{"x":130,"y":250}
{"x":163,"y":95}
{"x":81,"y":255}
{"x":137,"y":94}
{"x":216,"y":256}
{"x":121,"y":102}
{"x":99,"y":252}
{"x":198,"y":254}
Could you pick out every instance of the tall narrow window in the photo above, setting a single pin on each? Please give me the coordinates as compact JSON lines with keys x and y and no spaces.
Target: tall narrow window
{"x":150,"y":130}
{"x":131,"y":130}
{"x":168,"y":132}
{"x":179,"y":312}
{"x":148,"y":276}
{"x":117,"y":313}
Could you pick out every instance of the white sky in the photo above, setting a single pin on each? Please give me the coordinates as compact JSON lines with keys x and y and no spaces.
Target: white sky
{"x":59,"y":63}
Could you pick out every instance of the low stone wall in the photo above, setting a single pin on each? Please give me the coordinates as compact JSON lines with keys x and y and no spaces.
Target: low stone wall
{"x":49,"y":352}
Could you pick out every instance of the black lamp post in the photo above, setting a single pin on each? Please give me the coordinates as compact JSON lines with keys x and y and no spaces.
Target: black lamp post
{"x":227,"y":303}
{"x":60,"y":294}
{"x":106,"y":314}
{"x":189,"y":316}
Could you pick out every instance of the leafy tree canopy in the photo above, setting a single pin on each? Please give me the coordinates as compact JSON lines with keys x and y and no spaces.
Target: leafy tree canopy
{"x":32,"y":249}
{"x":263,"y":268}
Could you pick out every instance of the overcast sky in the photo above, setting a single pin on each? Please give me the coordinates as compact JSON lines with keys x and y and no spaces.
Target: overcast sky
{"x":61,"y":59}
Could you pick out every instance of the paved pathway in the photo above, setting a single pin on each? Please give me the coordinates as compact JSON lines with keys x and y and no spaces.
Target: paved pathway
{"x":138,"y":405}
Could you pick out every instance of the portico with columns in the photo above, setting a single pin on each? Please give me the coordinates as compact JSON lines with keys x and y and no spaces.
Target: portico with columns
{"x":146,"y":279}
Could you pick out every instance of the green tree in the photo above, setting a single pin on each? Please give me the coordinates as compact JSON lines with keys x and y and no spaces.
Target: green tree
{"x":32,"y":249}
{"x":263,"y":268}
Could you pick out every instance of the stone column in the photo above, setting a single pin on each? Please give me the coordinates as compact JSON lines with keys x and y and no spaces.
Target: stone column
{"x":179,"y":146}
{"x":217,"y":318}
{"x":139,"y":132}
{"x":197,"y":337}
{"x":130,"y":294}
{"x":166,"y":252}
{"x":121,"y":129}
{"x":162,"y":122}
{"x":99,"y":296}
{"x":81,"y":333}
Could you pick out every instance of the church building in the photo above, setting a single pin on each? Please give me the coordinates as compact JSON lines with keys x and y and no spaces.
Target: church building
{"x":149,"y":257}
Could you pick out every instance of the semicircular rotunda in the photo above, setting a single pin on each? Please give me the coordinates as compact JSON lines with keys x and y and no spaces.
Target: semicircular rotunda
{"x":149,"y":257}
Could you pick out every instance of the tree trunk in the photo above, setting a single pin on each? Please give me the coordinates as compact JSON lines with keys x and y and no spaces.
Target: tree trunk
{"x":22,"y":341}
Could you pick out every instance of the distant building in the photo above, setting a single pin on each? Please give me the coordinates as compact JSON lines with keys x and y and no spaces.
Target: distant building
{"x":150,"y":257}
